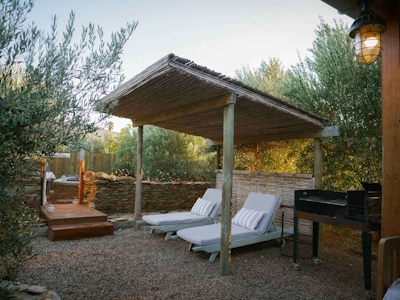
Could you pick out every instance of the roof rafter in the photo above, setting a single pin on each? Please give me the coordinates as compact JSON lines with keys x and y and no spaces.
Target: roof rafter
{"x":185,"y":110}
{"x":328,"y":131}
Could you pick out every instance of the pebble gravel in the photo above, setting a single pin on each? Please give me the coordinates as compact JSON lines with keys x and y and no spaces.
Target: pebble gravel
{"x":134,"y":264}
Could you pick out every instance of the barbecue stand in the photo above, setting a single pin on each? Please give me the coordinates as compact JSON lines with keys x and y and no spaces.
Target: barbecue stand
{"x":355,"y":210}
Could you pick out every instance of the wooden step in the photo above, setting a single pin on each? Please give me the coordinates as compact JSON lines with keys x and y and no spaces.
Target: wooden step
{"x":65,"y":214}
{"x":79,"y":231}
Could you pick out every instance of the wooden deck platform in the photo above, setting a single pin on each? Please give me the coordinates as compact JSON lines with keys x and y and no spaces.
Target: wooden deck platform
{"x":74,"y":221}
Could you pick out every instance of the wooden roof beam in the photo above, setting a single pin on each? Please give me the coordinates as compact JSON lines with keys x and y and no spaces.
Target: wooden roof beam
{"x":324,"y":132}
{"x":185,"y":110}
{"x":241,"y":91}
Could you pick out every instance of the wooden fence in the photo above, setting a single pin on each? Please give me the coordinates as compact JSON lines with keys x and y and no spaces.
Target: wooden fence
{"x":96,"y":162}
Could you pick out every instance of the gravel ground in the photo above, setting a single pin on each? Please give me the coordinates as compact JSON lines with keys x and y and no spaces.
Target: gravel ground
{"x":133,"y":264}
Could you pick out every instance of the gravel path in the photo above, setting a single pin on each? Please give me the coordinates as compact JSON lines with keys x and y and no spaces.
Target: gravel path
{"x":136,"y":265}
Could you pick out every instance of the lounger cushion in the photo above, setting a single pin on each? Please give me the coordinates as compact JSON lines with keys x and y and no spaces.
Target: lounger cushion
{"x":265,"y":203}
{"x":213,"y":195}
{"x":247,"y":218}
{"x":171,"y":219}
{"x":393,"y":293}
{"x":211,"y":234}
{"x":202,"y":207}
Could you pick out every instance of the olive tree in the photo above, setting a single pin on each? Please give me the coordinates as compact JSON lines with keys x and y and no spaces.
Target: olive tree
{"x":49,"y":89}
{"x":331,"y":83}
{"x":167,"y":155}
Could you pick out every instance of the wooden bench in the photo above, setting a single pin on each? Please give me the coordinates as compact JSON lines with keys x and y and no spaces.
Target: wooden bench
{"x":388,"y":263}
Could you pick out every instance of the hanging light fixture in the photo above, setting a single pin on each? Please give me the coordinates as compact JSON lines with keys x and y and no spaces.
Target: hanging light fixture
{"x":366,"y":32}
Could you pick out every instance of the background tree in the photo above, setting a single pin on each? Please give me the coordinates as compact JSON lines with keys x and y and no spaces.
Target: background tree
{"x":331,"y":83}
{"x":101,"y":141}
{"x":268,"y":77}
{"x":167,"y":155}
{"x":49,"y":88}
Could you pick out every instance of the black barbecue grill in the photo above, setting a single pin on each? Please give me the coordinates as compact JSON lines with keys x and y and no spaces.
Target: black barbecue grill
{"x":320,"y":202}
{"x":361,"y":206}
{"x":359,"y":210}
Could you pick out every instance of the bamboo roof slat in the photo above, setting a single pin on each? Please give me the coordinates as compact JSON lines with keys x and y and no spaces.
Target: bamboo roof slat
{"x":175,"y":83}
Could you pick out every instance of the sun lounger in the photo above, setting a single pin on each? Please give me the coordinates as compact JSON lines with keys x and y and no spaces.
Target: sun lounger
{"x":208,"y":238}
{"x":170,"y":223}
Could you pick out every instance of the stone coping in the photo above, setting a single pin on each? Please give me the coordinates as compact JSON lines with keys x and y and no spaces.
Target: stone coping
{"x":59,"y":182}
{"x":107,"y":177}
{"x":239,"y":172}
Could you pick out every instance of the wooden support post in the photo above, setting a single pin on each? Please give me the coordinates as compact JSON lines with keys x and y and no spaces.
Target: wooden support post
{"x":43,"y":182}
{"x":219,"y":157}
{"x":317,"y":163}
{"x":391,"y":125}
{"x":225,"y":252}
{"x":81,"y":183}
{"x":318,"y":182}
{"x":138,"y":192}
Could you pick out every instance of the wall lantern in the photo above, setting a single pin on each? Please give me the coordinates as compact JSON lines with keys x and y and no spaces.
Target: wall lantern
{"x":366,"y":32}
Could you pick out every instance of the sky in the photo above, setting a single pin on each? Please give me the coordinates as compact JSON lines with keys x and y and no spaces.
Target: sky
{"x":219,"y":34}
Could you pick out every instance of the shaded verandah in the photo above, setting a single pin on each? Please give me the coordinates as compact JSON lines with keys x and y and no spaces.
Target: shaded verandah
{"x":176,"y":94}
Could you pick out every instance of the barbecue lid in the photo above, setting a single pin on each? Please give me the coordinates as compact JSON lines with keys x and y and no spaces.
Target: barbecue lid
{"x":372,"y":187}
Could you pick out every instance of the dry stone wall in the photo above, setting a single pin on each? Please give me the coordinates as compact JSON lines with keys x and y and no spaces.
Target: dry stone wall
{"x":117,"y":194}
{"x":32,"y":182}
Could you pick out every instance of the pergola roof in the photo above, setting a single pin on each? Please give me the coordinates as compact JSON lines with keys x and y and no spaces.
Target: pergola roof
{"x":177,"y":94}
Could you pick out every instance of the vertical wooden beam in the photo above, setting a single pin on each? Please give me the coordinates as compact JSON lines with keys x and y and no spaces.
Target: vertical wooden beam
{"x":138,"y":192}
{"x":43,"y":182}
{"x":391,"y":125}
{"x":81,"y":172}
{"x":218,"y":156}
{"x":318,"y":182}
{"x":225,"y":252}
{"x":81,"y":183}
{"x":317,"y":163}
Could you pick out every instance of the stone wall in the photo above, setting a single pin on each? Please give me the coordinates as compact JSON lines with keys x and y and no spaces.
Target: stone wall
{"x":31,"y":180}
{"x":117,"y":194}
{"x":279,"y":184}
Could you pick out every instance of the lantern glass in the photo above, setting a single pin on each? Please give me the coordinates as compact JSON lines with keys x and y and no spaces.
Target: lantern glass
{"x":368,"y":43}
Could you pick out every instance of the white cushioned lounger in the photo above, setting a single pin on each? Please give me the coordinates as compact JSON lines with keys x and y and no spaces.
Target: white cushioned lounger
{"x":170,"y":219}
{"x":171,"y":223}
{"x":211,"y":234}
{"x":208,"y":238}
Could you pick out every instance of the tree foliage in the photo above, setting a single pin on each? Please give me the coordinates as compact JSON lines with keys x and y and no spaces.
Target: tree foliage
{"x":101,"y":141}
{"x":49,"y":88}
{"x":331,"y":83}
{"x":268,"y":77}
{"x":167,"y":155}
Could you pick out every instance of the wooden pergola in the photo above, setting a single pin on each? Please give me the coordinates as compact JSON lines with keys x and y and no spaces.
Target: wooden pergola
{"x":177,"y":94}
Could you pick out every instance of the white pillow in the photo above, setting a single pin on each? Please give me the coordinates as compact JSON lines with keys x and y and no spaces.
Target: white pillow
{"x":248,"y":218}
{"x":203,"y":207}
